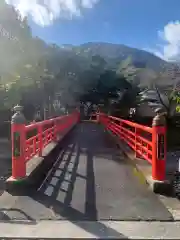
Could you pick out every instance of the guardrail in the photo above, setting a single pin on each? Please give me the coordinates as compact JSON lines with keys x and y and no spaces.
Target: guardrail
{"x":148,"y":143}
{"x":30,"y":140}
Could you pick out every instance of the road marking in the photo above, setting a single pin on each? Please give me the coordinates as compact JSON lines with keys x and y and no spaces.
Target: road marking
{"x":49,"y":191}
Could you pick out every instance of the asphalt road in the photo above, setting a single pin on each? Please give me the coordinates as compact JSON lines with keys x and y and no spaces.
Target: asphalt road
{"x":92,"y":181}
{"x":5,"y":162}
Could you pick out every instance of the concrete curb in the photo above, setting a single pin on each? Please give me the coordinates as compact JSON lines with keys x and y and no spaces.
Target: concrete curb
{"x":143,"y":170}
{"x":89,"y":230}
{"x":38,"y":173}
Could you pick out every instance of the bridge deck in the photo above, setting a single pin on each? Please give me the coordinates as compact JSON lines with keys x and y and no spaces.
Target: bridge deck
{"x":92,"y":181}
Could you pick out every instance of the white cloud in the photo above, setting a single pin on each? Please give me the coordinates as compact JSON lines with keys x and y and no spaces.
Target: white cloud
{"x":170,"y":35}
{"x":44,"y":12}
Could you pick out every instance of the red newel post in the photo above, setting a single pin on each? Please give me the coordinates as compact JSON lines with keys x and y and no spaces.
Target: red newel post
{"x":18,"y":144}
{"x":159,"y":150}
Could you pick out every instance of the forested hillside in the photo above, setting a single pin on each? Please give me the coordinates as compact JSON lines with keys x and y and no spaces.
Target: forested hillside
{"x":33,"y":73}
{"x":114,"y":53}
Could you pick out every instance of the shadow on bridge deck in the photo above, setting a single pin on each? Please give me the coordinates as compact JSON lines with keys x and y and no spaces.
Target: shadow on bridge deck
{"x":91,"y":181}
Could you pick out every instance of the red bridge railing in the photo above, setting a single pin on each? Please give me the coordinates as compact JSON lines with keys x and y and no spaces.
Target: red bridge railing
{"x":148,"y":143}
{"x":30,"y":140}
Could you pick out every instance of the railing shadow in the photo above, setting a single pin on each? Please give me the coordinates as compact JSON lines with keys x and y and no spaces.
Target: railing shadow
{"x":63,"y":209}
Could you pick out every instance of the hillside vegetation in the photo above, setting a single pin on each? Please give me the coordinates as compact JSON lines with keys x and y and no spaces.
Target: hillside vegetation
{"x":36,"y":74}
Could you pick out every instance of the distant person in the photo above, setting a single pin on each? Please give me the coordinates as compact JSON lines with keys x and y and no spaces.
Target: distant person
{"x":37,"y":117}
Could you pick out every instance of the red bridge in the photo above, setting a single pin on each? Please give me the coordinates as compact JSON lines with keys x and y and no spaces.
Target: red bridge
{"x":30,"y":140}
{"x":99,"y":170}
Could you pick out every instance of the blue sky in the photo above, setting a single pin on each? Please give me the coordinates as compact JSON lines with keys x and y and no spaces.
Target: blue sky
{"x":152,"y":24}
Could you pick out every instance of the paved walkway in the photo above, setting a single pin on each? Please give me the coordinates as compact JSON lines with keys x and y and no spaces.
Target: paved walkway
{"x":5,"y":161}
{"x":92,"y":181}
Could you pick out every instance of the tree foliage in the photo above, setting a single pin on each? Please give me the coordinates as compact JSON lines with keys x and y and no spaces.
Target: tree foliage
{"x":36,"y":74}
{"x":158,"y":94}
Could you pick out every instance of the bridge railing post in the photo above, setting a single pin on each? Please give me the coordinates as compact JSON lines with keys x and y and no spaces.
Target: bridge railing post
{"x":18,"y":137}
{"x":137,"y":133}
{"x":159,"y":150}
{"x":40,"y":138}
{"x":55,"y":130}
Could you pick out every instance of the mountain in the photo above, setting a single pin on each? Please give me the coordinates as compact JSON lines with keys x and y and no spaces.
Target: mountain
{"x":115,"y":53}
